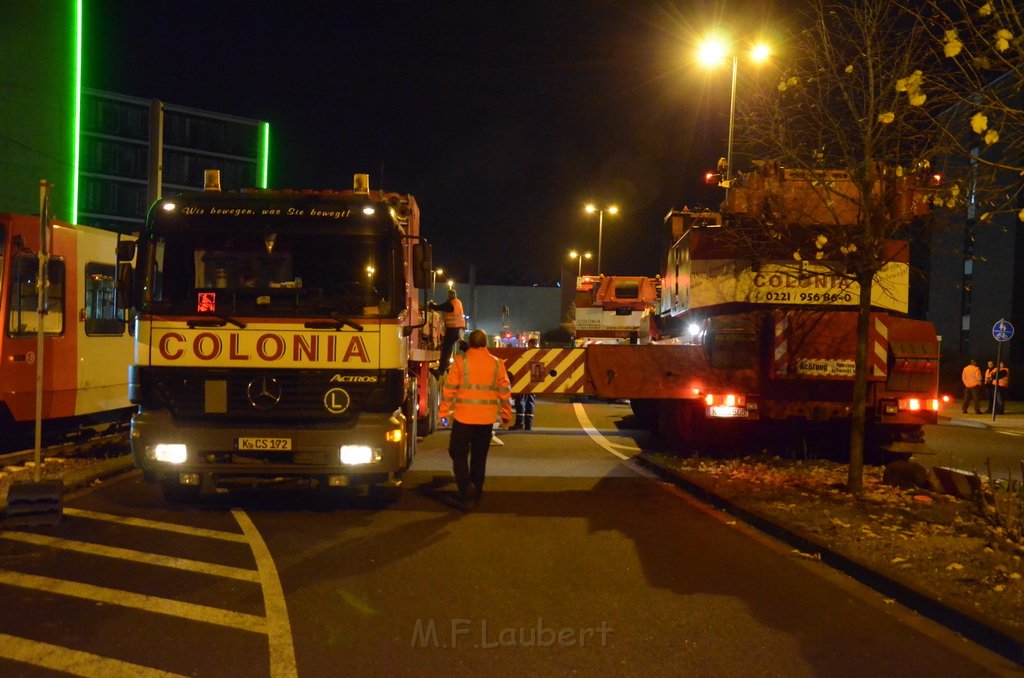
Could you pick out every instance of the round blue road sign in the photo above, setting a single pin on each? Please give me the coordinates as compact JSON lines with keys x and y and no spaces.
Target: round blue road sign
{"x":1002,"y":330}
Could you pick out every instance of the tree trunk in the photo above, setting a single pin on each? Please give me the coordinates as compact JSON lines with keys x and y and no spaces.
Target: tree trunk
{"x":858,"y":421}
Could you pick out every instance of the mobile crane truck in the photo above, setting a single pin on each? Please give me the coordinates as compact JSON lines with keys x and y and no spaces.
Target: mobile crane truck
{"x":756,"y":350}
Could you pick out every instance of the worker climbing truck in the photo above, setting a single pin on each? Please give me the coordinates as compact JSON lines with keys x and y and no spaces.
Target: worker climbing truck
{"x":751,"y":347}
{"x":279,"y":337}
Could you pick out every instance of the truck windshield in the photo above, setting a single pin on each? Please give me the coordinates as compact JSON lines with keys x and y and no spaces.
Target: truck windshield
{"x":283,"y":272}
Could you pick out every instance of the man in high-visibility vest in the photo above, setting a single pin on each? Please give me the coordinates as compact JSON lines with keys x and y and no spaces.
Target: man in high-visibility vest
{"x":1002,"y":383}
{"x":476,"y":391}
{"x":454,"y":324}
{"x":990,"y":385}
{"x":971,"y":376}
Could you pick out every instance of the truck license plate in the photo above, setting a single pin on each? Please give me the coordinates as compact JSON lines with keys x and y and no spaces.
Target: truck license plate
{"x":264,"y":444}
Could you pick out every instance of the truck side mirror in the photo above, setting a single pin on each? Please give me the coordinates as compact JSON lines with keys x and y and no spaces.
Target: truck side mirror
{"x":125,"y":250}
{"x":125,"y":290}
{"x":422,"y":265}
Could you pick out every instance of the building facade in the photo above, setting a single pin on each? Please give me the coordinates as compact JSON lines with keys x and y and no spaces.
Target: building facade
{"x":115,"y":150}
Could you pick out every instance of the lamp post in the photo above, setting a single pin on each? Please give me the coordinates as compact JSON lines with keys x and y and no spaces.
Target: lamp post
{"x":612,"y":209}
{"x":573,"y":254}
{"x":712,"y":52}
{"x":433,"y":279}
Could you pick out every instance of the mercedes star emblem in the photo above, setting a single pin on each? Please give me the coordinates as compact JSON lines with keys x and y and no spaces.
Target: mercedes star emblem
{"x":264,"y":393}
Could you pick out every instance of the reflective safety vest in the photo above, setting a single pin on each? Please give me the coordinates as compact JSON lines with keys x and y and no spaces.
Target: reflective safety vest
{"x":1003,"y":377}
{"x":455,"y":318}
{"x":476,"y":389}
{"x":971,"y":376}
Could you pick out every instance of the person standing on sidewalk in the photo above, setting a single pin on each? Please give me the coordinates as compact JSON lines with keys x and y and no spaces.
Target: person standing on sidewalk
{"x":971,"y":377}
{"x":1002,"y":383}
{"x":476,"y":391}
{"x":990,"y":384}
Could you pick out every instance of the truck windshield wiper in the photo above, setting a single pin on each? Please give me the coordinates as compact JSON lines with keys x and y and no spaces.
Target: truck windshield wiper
{"x":217,"y":320}
{"x":336,"y":323}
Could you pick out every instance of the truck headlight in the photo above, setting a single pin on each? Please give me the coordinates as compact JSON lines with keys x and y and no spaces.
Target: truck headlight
{"x":172,"y":453}
{"x":352,"y":455}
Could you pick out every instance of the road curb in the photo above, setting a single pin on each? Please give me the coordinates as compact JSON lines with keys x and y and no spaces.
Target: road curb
{"x":74,"y":480}
{"x":969,"y":423}
{"x":984,"y":631}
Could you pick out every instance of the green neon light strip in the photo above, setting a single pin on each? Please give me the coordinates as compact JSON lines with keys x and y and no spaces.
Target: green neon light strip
{"x":264,"y":152}
{"x":77,"y":105}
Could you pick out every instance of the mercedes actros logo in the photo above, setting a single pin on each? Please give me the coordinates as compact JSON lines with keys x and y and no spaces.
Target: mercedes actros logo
{"x":264,"y":393}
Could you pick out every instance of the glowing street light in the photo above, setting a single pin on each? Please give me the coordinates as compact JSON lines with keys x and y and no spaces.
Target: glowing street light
{"x":712,"y":52}
{"x":433,"y":279}
{"x":600,"y":226}
{"x":573,"y":254}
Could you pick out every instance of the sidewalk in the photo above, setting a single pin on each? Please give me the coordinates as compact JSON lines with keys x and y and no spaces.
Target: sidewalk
{"x":1012,"y":417}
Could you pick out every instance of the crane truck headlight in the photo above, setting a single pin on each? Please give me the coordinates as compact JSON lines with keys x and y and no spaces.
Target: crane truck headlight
{"x":353,"y":455}
{"x":171,"y":453}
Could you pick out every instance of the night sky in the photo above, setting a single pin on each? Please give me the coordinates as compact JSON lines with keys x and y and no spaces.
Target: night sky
{"x":502,"y":118}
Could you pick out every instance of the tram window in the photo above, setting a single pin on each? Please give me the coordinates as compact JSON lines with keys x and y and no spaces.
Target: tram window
{"x":22,"y":317}
{"x":101,"y":314}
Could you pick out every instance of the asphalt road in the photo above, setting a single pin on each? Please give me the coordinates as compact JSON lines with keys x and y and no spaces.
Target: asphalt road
{"x":576,"y":562}
{"x":975,"y":448}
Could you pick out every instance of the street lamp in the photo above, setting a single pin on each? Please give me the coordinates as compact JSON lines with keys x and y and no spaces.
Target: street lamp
{"x":433,"y":279}
{"x":711,"y":53}
{"x":600,"y":226}
{"x":573,"y":254}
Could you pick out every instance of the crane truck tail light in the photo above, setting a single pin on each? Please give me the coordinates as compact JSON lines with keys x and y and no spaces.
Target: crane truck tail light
{"x":933,"y":404}
{"x":912,"y":404}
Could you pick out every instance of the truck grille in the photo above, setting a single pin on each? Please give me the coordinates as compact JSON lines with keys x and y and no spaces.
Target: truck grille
{"x":268,"y":396}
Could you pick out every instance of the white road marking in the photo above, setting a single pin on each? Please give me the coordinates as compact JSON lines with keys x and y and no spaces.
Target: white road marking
{"x":276,"y":623}
{"x":156,"y":525}
{"x":1009,"y":433}
{"x":134,"y":556}
{"x":139,"y":601}
{"x":74,"y":662}
{"x":279,"y":632}
{"x":598,"y":437}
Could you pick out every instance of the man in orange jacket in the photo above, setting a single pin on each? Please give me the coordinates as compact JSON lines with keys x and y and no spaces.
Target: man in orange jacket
{"x":454,"y":324}
{"x":971,"y":377}
{"x":476,"y":391}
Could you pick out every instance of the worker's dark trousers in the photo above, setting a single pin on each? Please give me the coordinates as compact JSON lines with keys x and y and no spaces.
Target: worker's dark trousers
{"x":468,"y":449}
{"x":448,"y":342}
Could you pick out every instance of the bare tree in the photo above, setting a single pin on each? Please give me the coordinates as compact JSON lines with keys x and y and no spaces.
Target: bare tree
{"x":850,"y":110}
{"x":979,"y":70}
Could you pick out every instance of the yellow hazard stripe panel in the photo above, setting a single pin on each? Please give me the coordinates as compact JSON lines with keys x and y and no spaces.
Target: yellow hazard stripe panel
{"x":546,"y":370}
